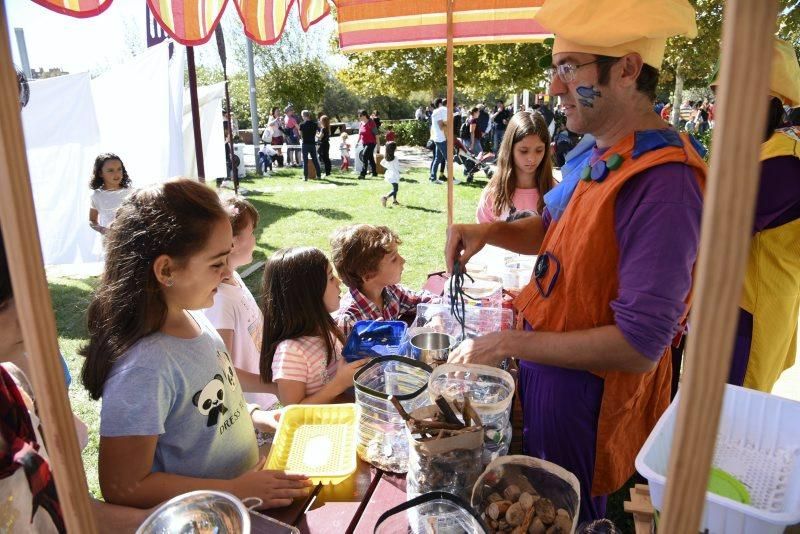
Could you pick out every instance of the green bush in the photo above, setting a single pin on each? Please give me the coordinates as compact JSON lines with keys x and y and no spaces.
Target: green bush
{"x":409,"y":132}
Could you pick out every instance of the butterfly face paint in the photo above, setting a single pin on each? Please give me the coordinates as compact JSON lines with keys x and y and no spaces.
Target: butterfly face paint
{"x":586,"y":96}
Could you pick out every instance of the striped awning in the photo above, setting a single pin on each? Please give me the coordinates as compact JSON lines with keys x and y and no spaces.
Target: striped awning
{"x":192,"y":22}
{"x":387,"y":24}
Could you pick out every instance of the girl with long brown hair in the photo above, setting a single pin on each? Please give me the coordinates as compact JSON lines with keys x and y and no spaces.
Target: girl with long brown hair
{"x":173,"y":417}
{"x":524,"y":171}
{"x":302,"y":346}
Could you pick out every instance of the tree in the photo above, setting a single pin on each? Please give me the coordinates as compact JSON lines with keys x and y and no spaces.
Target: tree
{"x":479,"y":70}
{"x":692,"y":63}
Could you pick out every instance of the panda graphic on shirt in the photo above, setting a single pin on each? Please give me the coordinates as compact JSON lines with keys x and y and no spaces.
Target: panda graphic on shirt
{"x":210,"y":400}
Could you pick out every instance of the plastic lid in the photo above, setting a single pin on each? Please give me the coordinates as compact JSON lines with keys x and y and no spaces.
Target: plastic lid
{"x":723,"y":483}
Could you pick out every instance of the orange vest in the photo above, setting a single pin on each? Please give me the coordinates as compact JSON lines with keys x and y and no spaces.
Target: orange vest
{"x":585,"y":242}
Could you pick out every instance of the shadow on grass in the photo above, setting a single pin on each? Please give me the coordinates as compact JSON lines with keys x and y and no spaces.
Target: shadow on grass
{"x":474,"y":184}
{"x":420,"y":208}
{"x":71,"y":303}
{"x":270,"y":212}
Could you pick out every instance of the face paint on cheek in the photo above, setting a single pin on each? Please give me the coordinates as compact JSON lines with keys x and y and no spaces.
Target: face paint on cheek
{"x":587,"y":95}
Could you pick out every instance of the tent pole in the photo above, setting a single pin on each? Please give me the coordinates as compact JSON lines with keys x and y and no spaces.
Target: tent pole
{"x":251,"y":80}
{"x":198,"y":139}
{"x":32,"y":299}
{"x":450,"y":98}
{"x":728,"y":210}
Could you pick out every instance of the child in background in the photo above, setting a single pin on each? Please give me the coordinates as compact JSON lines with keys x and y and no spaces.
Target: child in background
{"x":235,"y":313}
{"x":344,"y":148}
{"x":366,"y":258}
{"x":173,"y":417}
{"x":392,"y":175}
{"x":524,"y":172}
{"x":111,"y":184}
{"x":302,"y":346}
{"x":390,"y":135}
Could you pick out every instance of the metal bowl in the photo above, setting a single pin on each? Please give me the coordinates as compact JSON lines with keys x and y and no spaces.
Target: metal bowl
{"x":199,"y":512}
{"x":432,"y":347}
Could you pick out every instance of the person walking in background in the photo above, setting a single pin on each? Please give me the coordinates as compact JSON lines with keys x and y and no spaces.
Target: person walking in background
{"x":292,"y":137}
{"x":324,"y":137}
{"x":367,"y":135}
{"x":275,"y":127}
{"x":438,"y":124}
{"x":308,"y":132}
{"x":483,"y":124}
{"x":500,"y":119}
{"x":392,"y":175}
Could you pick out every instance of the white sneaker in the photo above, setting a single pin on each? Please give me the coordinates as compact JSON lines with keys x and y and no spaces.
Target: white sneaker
{"x":456,"y":181}
{"x":227,"y":184}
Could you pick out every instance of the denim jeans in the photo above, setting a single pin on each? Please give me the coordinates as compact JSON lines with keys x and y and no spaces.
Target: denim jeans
{"x":310,"y":148}
{"x":369,"y":160}
{"x":439,"y":157}
{"x":497,"y":139}
{"x":264,"y":161}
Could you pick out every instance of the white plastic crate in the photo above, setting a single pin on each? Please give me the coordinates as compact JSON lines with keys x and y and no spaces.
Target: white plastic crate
{"x":758,"y":442}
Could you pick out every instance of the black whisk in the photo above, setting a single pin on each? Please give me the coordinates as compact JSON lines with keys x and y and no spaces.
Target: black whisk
{"x":457,"y":294}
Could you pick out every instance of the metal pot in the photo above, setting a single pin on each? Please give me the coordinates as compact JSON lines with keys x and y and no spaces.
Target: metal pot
{"x":198,"y":512}
{"x":432,"y":347}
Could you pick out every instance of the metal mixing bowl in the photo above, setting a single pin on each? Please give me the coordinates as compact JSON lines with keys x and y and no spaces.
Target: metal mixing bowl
{"x":199,"y":512}
{"x":432,"y":347}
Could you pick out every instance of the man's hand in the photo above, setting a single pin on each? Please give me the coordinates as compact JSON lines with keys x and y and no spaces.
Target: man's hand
{"x":483,"y":350}
{"x":463,"y":242}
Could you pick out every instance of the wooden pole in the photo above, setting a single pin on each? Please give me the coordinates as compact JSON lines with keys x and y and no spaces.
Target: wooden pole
{"x":198,"y":138}
{"x":728,"y":209}
{"x":450,"y":99}
{"x":32,"y":299}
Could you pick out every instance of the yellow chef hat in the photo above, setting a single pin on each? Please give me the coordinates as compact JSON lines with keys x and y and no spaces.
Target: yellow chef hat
{"x":784,"y":82}
{"x":617,"y":27}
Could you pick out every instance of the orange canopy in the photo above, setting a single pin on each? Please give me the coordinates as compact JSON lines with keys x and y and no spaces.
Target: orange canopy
{"x":386,"y":24}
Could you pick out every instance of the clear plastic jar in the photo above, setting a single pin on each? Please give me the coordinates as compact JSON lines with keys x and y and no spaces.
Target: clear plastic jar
{"x":450,"y":464}
{"x":490,"y":391}
{"x":381,"y":434}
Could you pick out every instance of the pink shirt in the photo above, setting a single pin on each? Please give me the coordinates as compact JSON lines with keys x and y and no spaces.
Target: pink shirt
{"x":524,"y":200}
{"x":303,"y":359}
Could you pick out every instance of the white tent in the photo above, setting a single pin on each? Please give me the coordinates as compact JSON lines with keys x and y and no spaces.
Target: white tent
{"x":135,"y":110}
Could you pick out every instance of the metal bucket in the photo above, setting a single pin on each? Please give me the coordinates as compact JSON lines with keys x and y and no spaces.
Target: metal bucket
{"x":432,"y":347}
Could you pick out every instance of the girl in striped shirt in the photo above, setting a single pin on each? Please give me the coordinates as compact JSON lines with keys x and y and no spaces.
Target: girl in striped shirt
{"x":302,"y":346}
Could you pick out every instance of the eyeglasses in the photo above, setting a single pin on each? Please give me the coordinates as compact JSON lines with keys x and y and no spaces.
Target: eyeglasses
{"x":540,"y":271}
{"x":567,"y":71}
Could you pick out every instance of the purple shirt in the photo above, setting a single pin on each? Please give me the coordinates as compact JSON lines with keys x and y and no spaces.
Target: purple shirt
{"x":657,"y":222}
{"x":778,"y":193}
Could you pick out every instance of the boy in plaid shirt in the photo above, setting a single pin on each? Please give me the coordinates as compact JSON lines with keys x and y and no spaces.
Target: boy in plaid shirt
{"x":368,"y":262}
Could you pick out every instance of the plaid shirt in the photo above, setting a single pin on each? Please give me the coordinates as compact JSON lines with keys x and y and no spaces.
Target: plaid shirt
{"x":397,"y":301}
{"x":19,"y":449}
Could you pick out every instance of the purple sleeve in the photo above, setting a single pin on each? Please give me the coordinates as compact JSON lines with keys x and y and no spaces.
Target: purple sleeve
{"x":657,"y":221}
{"x":778,"y":193}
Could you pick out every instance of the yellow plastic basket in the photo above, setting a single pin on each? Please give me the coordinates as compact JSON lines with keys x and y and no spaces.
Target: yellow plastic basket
{"x":318,"y":441}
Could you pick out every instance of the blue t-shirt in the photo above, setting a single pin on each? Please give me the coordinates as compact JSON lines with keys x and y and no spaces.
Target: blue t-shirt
{"x":186,"y":392}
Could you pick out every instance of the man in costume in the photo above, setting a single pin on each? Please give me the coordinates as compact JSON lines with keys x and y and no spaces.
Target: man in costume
{"x":766,"y":337}
{"x":617,"y":245}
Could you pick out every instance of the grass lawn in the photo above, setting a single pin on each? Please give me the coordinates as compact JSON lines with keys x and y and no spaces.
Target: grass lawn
{"x":294,"y":212}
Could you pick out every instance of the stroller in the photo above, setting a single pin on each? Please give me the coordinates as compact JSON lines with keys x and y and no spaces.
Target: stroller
{"x":472,"y":163}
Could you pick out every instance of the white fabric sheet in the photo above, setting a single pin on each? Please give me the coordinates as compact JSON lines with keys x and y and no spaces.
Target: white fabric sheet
{"x":213,"y":134}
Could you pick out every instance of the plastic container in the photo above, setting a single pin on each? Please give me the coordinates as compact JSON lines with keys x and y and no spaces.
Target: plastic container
{"x":530,"y":475}
{"x":318,"y":440}
{"x":438,"y":511}
{"x":517,"y":273}
{"x":483,"y":290}
{"x":491,"y":392}
{"x":480,"y":320}
{"x":371,"y":339}
{"x":451,"y":463}
{"x":381,"y":432}
{"x":758,"y":443}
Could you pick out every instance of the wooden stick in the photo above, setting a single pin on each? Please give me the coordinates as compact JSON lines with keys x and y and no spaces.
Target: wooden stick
{"x":447,"y":411}
{"x":450,"y":99}
{"x":198,"y":139}
{"x":32,"y":299}
{"x":725,"y":241}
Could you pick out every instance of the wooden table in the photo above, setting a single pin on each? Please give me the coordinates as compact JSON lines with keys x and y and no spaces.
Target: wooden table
{"x":353,"y":505}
